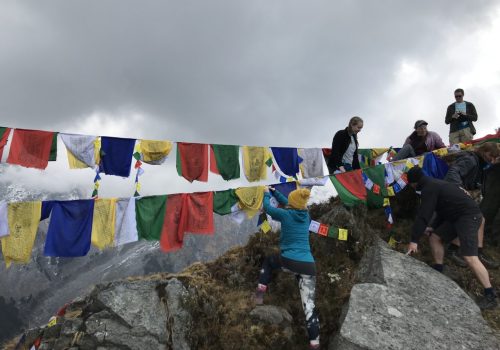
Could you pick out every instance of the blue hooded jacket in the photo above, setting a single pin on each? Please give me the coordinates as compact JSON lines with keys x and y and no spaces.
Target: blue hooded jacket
{"x":294,"y":237}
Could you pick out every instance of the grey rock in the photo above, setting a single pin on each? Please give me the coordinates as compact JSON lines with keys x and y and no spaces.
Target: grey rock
{"x":136,"y":303}
{"x":401,"y":303}
{"x":71,"y":326}
{"x":111,"y":332}
{"x":179,"y":321}
{"x":271,"y":314}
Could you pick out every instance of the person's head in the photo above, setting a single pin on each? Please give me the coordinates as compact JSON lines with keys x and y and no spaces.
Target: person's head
{"x":414,"y":175}
{"x":298,"y":199}
{"x":421,"y":127}
{"x":355,"y":125}
{"x":489,"y":151}
{"x":459,"y":95}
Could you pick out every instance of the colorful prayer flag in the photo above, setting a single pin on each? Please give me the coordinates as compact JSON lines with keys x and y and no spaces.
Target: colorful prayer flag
{"x":314,"y":226}
{"x":4,"y":137}
{"x":154,"y":152}
{"x":70,"y":228}
{"x":323,"y":230}
{"x":227,"y":161}
{"x":103,"y":223}
{"x":23,"y":219}
{"x":287,"y":160}
{"x":265,"y":227}
{"x":116,"y":156}
{"x":350,"y":187}
{"x":30,"y":148}
{"x":224,"y":201}
{"x":254,"y":162}
{"x":192,"y":161}
{"x":342,"y":234}
{"x":150,"y":215}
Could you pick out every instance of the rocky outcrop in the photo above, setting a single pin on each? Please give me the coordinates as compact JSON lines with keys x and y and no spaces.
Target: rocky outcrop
{"x":140,"y":314}
{"x":401,"y":303}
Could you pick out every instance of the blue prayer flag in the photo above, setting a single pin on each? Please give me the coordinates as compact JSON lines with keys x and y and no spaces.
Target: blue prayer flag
{"x":116,"y":156}
{"x":70,"y":228}
{"x":287,"y":159}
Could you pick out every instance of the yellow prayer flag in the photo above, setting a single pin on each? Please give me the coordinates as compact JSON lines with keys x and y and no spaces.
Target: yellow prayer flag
{"x":390,"y":191}
{"x":75,"y":163}
{"x":254,"y":161}
{"x":23,"y":220}
{"x":103,"y":224}
{"x":342,"y":234}
{"x":265,"y":227}
{"x":97,"y":150}
{"x":97,"y":185}
{"x":409,"y":164}
{"x":392,"y":242}
{"x":250,"y":199}
{"x":420,"y":161}
{"x":155,"y":151}
{"x":138,"y":186}
{"x":52,"y":322}
{"x":378,"y":151}
{"x":441,"y":152}
{"x":387,"y":202}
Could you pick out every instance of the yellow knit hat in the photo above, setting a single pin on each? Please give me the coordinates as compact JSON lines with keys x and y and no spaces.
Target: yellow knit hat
{"x":298,"y":199}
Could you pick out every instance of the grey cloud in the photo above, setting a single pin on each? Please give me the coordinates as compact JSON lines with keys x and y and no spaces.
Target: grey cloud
{"x":240,"y":72}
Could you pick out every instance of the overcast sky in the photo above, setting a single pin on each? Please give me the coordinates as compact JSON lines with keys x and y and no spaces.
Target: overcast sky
{"x":278,"y":73}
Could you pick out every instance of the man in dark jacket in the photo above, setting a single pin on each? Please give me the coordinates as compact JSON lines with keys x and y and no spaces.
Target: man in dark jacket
{"x":468,"y":172}
{"x":460,"y":115}
{"x":454,"y":207}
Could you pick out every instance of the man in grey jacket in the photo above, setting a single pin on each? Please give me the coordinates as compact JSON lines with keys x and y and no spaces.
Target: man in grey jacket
{"x":419,"y":142}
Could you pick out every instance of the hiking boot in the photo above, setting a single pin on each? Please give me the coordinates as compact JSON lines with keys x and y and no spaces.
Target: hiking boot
{"x":455,"y":257}
{"x":488,"y":261}
{"x":487,"y":302}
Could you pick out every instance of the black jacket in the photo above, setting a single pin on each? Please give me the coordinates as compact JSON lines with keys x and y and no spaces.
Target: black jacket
{"x":449,"y":202}
{"x":469,"y":116}
{"x":467,"y":171}
{"x":490,"y":205}
{"x":340,"y":143}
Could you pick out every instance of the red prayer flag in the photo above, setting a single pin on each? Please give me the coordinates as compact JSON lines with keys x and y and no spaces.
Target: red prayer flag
{"x":30,"y":148}
{"x":404,"y":177}
{"x":323,"y":230}
{"x":186,"y":212}
{"x":353,"y":182}
{"x":213,"y":162}
{"x":194,"y":161}
{"x":200,"y":213}
{"x":3,"y":140}
{"x":174,"y":225}
{"x":376,"y":189}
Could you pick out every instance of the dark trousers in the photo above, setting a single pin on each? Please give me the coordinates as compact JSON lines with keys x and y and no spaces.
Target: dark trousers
{"x":305,"y":273}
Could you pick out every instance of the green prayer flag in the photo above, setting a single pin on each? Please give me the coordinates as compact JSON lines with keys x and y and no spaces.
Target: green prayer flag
{"x":2,"y":131}
{"x":178,"y":162}
{"x":269,"y":162}
{"x":333,"y":232}
{"x":53,"y":149}
{"x":150,"y":214}
{"x":224,"y":201}
{"x":367,"y":154}
{"x":227,"y":158}
{"x":377,"y":175}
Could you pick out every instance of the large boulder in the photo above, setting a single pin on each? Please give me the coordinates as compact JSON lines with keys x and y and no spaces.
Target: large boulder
{"x":402,"y":303}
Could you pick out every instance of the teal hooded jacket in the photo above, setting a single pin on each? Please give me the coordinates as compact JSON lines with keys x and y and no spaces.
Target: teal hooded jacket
{"x":294,"y":237}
